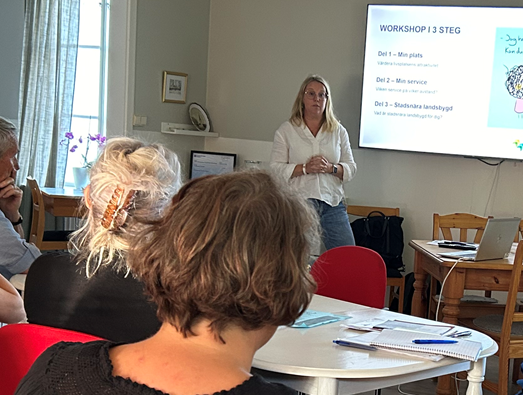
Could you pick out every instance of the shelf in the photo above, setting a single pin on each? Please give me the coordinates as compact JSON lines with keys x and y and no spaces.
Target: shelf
{"x":186,"y":132}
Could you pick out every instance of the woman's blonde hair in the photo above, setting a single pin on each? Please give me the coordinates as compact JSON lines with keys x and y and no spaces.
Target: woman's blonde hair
{"x":330,"y":123}
{"x":148,"y":174}
{"x":232,"y":249}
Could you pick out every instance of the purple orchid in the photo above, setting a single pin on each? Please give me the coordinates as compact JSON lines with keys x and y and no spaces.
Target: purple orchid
{"x":100,"y":140}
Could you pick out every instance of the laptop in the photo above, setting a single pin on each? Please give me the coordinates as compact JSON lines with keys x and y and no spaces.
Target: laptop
{"x":496,"y":241}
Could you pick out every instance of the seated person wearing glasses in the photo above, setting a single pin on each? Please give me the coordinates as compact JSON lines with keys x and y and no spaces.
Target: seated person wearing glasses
{"x":226,"y":265}
{"x":16,"y":254}
{"x":94,"y":292}
{"x":312,"y":151}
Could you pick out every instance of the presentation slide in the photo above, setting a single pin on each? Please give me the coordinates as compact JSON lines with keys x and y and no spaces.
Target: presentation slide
{"x":444,"y":80}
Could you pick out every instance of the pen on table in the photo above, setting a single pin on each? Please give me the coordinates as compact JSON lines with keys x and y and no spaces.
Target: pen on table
{"x":434,"y":341}
{"x":354,"y":345}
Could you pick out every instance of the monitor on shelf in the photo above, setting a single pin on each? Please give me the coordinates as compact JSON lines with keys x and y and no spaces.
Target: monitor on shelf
{"x":204,"y":163}
{"x":443,"y":79}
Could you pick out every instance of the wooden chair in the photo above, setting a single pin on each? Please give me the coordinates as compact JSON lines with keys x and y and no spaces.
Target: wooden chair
{"x":471,"y":228}
{"x":462,"y":221}
{"x":22,"y":344}
{"x":353,"y":274}
{"x":505,"y":329}
{"x":392,"y":282}
{"x":44,"y":240}
{"x":519,"y":233}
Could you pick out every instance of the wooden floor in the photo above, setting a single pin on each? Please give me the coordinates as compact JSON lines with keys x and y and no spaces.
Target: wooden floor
{"x":428,"y":387}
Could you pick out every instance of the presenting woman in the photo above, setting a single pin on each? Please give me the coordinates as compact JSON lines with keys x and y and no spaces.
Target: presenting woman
{"x":312,"y":150}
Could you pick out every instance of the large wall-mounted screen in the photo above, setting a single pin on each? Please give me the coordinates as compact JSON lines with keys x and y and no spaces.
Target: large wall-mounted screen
{"x":444,"y":80}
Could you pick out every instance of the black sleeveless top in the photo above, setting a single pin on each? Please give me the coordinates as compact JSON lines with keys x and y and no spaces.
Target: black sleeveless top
{"x":109,"y":305}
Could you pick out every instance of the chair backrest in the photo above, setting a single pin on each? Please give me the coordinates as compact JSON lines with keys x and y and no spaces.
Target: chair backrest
{"x":511,"y":315}
{"x":363,"y":211}
{"x":22,"y":344}
{"x":462,"y":221}
{"x":519,"y":233}
{"x":353,"y":274}
{"x":36,"y":234}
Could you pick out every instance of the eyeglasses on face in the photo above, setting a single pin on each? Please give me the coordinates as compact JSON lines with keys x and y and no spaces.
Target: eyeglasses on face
{"x":312,"y":95}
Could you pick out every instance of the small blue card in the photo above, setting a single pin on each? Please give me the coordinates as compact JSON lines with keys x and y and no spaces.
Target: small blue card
{"x":312,"y":318}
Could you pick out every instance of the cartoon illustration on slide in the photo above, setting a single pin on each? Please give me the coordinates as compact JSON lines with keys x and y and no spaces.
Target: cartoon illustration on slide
{"x":506,"y":84}
{"x":514,"y":86}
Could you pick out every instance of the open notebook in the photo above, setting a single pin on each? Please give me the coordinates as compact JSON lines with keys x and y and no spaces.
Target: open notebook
{"x":402,"y":340}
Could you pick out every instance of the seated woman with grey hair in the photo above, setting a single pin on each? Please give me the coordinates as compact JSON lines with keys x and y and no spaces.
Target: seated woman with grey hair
{"x":94,"y":291}
{"x":225,"y":265}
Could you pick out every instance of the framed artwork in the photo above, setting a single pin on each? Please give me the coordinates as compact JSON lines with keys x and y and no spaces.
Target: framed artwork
{"x":174,"y":87}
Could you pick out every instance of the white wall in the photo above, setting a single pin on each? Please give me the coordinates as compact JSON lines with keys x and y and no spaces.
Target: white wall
{"x":171,"y":35}
{"x":11,"y":37}
{"x":260,"y":52}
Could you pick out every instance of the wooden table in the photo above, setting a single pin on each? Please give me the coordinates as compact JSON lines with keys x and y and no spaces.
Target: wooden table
{"x":308,"y":361}
{"x":63,"y":202}
{"x":492,"y":275}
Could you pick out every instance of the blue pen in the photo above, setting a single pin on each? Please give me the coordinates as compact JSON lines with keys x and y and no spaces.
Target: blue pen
{"x":434,"y":341}
{"x":354,"y":345}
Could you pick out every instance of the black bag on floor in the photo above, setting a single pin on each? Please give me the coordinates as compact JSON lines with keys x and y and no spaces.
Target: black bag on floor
{"x":384,"y":235}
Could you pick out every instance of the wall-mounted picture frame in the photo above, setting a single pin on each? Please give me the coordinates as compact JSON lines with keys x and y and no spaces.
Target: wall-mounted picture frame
{"x":174,"y":87}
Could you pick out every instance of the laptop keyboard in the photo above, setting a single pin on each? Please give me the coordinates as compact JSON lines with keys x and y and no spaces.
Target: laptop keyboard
{"x":471,"y":254}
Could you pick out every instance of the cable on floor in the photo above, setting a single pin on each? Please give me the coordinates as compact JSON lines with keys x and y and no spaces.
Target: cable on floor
{"x":443,"y":285}
{"x":403,"y":392}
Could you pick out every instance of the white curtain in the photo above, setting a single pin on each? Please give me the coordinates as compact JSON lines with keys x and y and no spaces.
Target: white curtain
{"x":46,"y":88}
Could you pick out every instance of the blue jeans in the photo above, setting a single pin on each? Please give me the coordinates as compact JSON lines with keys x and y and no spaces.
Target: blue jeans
{"x":334,"y":221}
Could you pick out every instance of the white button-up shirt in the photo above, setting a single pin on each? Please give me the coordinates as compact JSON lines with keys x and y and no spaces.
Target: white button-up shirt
{"x":296,"y":144}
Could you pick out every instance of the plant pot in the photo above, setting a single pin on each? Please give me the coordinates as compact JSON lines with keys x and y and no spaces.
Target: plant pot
{"x":81,"y":177}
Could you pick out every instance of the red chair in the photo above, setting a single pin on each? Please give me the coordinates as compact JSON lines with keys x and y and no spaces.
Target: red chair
{"x":22,"y":344}
{"x":353,"y":274}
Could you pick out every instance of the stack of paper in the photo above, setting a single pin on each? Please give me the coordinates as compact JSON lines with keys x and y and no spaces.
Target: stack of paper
{"x":374,"y":324}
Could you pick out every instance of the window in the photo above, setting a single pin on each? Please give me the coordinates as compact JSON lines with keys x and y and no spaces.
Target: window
{"x":90,"y":95}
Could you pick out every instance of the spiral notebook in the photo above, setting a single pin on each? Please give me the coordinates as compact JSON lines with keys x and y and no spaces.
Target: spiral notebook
{"x":402,"y":340}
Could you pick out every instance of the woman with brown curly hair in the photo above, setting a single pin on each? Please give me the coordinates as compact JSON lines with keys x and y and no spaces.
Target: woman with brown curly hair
{"x":225,"y":265}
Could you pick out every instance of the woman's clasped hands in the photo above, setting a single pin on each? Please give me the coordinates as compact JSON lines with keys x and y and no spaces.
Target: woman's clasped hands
{"x":318,"y":164}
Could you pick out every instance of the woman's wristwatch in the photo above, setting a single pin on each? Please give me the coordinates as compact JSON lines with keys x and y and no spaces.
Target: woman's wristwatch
{"x":334,"y":169}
